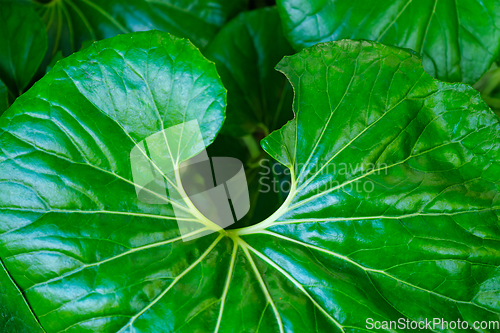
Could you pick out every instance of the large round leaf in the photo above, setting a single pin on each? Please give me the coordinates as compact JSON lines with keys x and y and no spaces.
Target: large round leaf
{"x":394,"y":208}
{"x":393,"y":211}
{"x":458,"y":39}
{"x":67,"y":199}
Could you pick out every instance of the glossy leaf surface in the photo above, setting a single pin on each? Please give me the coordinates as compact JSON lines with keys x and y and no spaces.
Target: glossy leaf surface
{"x":15,"y":313}
{"x":246,"y":51}
{"x":68,"y":207}
{"x":394,"y":212}
{"x":408,"y":228}
{"x":23,"y":45}
{"x":458,"y":40}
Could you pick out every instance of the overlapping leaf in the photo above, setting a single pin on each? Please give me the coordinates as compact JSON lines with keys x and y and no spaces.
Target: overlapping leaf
{"x":458,"y":40}
{"x":393,"y":211}
{"x":72,"y":23}
{"x":87,"y":254}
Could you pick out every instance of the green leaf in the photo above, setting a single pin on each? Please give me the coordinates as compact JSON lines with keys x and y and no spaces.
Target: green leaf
{"x":15,"y":313}
{"x":66,"y":179}
{"x":23,"y":45}
{"x":245,"y":52}
{"x":458,"y":40}
{"x":72,"y":22}
{"x":422,"y":241}
{"x":58,"y":56}
{"x":394,"y":208}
